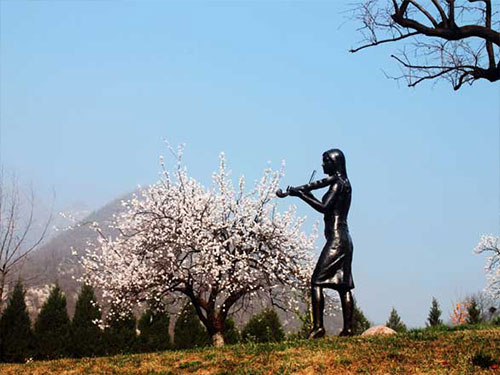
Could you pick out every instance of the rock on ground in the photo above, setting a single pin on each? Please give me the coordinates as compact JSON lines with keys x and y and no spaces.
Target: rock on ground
{"x":378,"y":330}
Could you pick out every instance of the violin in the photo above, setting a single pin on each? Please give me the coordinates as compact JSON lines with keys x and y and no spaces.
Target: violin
{"x":311,"y":185}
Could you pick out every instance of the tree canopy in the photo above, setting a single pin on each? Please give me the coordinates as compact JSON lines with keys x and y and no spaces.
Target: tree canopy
{"x":490,"y":245}
{"x":221,"y":247}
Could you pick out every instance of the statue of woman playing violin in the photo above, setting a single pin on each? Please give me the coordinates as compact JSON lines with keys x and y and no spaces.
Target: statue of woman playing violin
{"x":333,"y":269}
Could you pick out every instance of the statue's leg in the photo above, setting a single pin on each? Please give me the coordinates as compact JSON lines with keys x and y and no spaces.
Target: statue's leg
{"x":347,"y":312}
{"x":318,"y":305}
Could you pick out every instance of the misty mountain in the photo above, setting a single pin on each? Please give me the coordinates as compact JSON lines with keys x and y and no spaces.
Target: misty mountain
{"x":57,"y":260}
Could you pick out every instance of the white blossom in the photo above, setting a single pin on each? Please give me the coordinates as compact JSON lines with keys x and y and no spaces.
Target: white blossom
{"x":220,"y":246}
{"x":490,"y":245}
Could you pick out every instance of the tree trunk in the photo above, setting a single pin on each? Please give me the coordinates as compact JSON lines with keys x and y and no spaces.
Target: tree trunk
{"x":2,"y":287}
{"x":217,"y":339}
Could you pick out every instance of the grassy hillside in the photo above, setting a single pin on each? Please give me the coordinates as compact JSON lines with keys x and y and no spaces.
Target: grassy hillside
{"x":421,"y":352}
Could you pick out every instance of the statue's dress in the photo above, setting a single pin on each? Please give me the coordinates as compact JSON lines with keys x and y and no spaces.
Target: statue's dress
{"x":333,"y":269}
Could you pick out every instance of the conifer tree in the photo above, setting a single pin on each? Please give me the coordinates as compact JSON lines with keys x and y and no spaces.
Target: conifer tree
{"x":86,"y":336}
{"x":359,"y":322}
{"x":120,"y":336}
{"x":264,"y":327}
{"x":52,"y":327}
{"x":473,"y":312}
{"x":188,"y":330}
{"x":16,"y":337}
{"x":395,"y":322}
{"x":434,"y":314}
{"x":230,"y":333}
{"x":153,"y":327}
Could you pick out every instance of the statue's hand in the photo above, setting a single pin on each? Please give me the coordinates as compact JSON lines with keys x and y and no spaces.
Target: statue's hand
{"x":294,"y":192}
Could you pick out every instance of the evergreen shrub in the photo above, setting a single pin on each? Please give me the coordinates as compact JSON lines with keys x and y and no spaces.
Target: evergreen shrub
{"x":16,"y":336}
{"x":86,"y":337}
{"x":153,"y":326}
{"x":52,"y":327}
{"x":188,"y":330}
{"x":263,"y":327}
{"x":395,"y":322}
{"x":359,"y":322}
{"x":120,"y":336}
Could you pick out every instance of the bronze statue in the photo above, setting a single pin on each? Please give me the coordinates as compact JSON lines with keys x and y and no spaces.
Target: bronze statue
{"x":333,"y":269}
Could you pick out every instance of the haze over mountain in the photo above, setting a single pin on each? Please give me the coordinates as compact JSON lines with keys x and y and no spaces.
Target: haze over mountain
{"x":57,"y":260}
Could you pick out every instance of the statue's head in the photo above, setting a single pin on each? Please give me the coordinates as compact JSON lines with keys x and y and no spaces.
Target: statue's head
{"x":334,"y":162}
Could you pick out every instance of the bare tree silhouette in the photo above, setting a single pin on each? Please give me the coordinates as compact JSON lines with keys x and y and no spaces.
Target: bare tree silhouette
{"x":20,"y":232}
{"x":454,"y":40}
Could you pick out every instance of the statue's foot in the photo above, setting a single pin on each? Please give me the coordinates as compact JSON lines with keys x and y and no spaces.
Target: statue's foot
{"x":317,"y":333}
{"x":346,"y":332}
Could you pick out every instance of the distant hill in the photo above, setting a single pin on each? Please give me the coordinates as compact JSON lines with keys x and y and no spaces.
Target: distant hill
{"x":56,"y":259}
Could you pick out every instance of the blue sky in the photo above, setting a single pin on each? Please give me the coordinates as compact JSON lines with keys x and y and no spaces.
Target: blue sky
{"x":90,"y":89}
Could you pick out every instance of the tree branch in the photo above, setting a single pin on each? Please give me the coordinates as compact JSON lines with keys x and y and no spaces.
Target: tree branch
{"x":384,"y":41}
{"x":451,"y":14}
{"x":450,"y":34}
{"x":444,"y":19}
{"x":431,"y":66}
{"x":425,"y":12}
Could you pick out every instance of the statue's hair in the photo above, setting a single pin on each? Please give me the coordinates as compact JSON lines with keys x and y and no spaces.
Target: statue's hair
{"x":338,"y":159}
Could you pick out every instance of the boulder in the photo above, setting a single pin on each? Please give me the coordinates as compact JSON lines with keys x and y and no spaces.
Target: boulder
{"x":378,"y":330}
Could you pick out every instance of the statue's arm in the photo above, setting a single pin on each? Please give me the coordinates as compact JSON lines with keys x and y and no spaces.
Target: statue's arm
{"x":312,"y":201}
{"x":318,"y":205}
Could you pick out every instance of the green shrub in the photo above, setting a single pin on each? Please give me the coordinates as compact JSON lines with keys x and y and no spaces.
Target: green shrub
{"x":473,"y":312}
{"x":359,"y":322}
{"x":188,"y":330}
{"x":86,"y":337}
{"x":395,"y":322}
{"x":120,"y":335}
{"x":305,"y":327}
{"x":52,"y":327}
{"x":153,"y":327}
{"x":16,"y":337}
{"x":434,"y":314}
{"x":423,"y":334}
{"x":264,"y":327}
{"x":231,"y":334}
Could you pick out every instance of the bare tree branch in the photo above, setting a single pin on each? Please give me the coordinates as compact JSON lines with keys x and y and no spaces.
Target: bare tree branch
{"x":462,"y":47}
{"x":18,"y":238}
{"x":444,"y":20}
{"x":383,"y":41}
{"x":425,"y":12}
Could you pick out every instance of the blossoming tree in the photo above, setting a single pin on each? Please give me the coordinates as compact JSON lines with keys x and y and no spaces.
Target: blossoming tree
{"x":491,"y":246}
{"x":219,"y":246}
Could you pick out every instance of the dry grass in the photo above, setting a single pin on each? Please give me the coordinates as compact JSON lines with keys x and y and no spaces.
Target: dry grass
{"x":422,"y":352}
